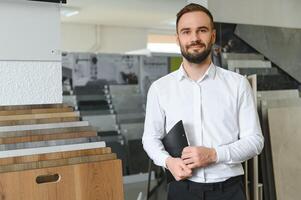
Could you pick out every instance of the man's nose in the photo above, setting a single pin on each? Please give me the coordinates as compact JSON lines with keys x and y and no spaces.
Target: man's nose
{"x":195,"y":36}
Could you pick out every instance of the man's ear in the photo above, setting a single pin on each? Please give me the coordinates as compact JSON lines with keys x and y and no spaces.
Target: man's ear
{"x":213,"y":36}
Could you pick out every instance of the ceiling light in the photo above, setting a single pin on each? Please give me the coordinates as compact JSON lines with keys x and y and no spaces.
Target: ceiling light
{"x":68,"y":11}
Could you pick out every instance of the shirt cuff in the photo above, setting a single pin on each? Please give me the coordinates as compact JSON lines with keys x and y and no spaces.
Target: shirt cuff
{"x":223,"y":154}
{"x":162,"y":160}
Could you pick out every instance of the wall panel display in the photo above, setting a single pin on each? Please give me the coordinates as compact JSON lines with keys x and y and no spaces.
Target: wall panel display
{"x":152,"y":68}
{"x":114,"y":68}
{"x":119,"y":68}
{"x":85,"y":68}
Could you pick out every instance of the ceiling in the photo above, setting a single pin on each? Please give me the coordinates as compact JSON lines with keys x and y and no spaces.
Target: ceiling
{"x":150,"y":14}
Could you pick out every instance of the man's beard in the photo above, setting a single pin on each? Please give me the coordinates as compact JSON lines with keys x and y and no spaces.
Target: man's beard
{"x":196,"y":58}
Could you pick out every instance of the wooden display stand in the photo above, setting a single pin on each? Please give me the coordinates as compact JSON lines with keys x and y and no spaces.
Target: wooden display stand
{"x":79,"y":174}
{"x":90,"y":181}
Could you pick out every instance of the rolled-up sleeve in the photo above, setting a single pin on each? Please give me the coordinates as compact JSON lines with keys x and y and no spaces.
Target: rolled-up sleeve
{"x":250,"y":142}
{"x":154,"y":128}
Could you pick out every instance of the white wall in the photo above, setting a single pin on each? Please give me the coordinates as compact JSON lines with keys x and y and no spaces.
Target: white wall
{"x":279,"y":13}
{"x":30,"y":82}
{"x":78,"y":37}
{"x":105,"y":39}
{"x":29,"y":30}
{"x":30,"y":59}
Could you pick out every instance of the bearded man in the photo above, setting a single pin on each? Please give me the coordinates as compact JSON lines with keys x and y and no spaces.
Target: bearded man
{"x":218,"y":111}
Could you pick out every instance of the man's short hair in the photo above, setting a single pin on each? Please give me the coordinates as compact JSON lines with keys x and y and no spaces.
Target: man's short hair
{"x":193,"y":7}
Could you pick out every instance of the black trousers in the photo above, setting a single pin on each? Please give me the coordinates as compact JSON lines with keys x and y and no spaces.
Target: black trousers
{"x":231,"y":189}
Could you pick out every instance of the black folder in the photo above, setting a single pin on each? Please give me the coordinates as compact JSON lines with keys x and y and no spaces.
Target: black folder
{"x":174,"y":143}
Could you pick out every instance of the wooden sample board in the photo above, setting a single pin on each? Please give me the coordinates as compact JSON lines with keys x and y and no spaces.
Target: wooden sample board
{"x":54,"y":156}
{"x":45,"y":131}
{"x":43,"y":137}
{"x":38,"y":121}
{"x":35,"y":111}
{"x":87,"y":181}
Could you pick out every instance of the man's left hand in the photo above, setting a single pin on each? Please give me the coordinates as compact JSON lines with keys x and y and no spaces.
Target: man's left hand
{"x":195,"y":157}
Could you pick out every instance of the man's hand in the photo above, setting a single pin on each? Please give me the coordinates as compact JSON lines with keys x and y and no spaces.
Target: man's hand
{"x":178,"y":169}
{"x":195,"y":157}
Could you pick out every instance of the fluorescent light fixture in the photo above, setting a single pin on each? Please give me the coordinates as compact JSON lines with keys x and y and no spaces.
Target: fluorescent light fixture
{"x":201,"y":2}
{"x":68,"y":11}
{"x":164,"y":48}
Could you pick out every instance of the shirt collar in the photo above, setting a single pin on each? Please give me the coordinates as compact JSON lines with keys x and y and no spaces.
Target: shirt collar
{"x":211,"y":71}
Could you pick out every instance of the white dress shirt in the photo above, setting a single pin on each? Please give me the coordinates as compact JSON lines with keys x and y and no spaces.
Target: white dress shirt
{"x":218,"y":111}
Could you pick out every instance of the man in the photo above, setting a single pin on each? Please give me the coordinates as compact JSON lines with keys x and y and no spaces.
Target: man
{"x":218,"y":112}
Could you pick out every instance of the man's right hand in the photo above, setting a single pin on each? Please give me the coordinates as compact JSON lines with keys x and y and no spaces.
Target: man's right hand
{"x":178,"y":168}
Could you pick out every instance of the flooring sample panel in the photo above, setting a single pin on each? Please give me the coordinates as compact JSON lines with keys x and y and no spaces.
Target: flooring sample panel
{"x":240,"y":56}
{"x":92,"y":97}
{"x":258,"y":71}
{"x":55,"y":136}
{"x":38,"y":121}
{"x":35,"y":111}
{"x":284,"y":82}
{"x":130,"y":118}
{"x":89,"y":181}
{"x":29,"y":107}
{"x":48,"y":143}
{"x":96,"y":112}
{"x":39,"y":116}
{"x":128,"y":101}
{"x":125,"y":110}
{"x":45,"y":131}
{"x":285,"y":134}
{"x":54,"y":156}
{"x":278,"y":94}
{"x":139,"y":160}
{"x":123,"y":89}
{"x":56,"y":163}
{"x":102,"y":122}
{"x":43,"y":126}
{"x":42,"y":150}
{"x":233,"y":64}
{"x":89,"y":90}
{"x":132,"y":130}
{"x":266,"y":157}
{"x":94,"y":105}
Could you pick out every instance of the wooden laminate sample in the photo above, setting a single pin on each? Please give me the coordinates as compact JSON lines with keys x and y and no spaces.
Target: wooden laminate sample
{"x":42,"y":150}
{"x":54,"y":156}
{"x":30,"y":107}
{"x":89,"y":181}
{"x":53,"y":136}
{"x":35,"y":111}
{"x":39,"y":116}
{"x":38,"y":121}
{"x":45,"y":131}
{"x":56,"y":163}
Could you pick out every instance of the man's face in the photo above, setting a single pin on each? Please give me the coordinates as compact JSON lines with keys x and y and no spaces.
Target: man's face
{"x":195,"y":36}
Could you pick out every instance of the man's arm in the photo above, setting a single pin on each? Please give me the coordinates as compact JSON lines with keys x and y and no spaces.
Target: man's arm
{"x":154,"y":132}
{"x":250,"y":142}
{"x":154,"y":129}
